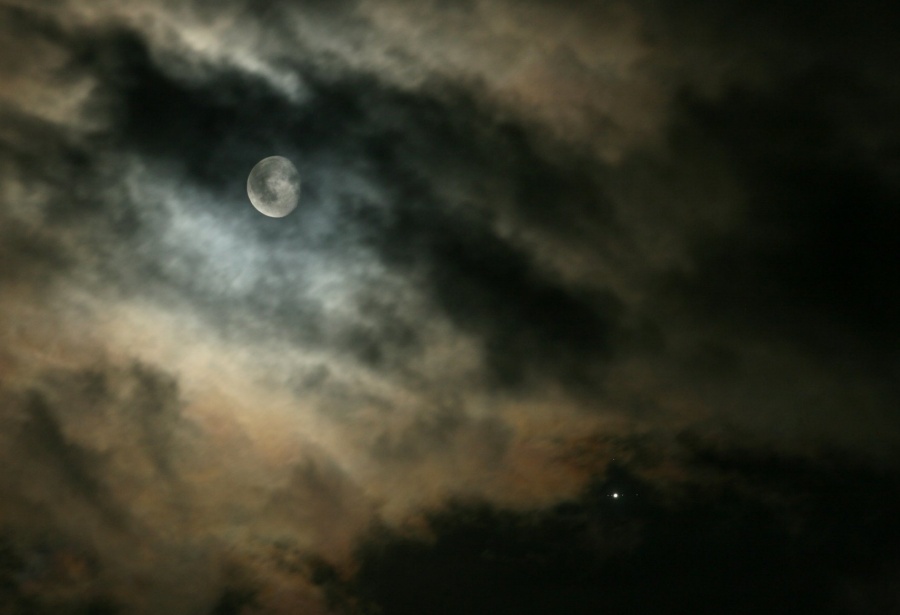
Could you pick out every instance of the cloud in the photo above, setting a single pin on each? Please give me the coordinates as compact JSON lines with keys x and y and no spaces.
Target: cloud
{"x":815,"y":224}
{"x":533,"y":237}
{"x":162,"y":117}
{"x":760,"y":532}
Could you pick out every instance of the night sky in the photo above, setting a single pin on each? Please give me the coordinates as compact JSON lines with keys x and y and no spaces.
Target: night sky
{"x":586,"y":308}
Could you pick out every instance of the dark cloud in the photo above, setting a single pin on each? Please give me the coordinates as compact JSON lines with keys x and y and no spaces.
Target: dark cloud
{"x":811,"y":259}
{"x":439,"y":431}
{"x":765,"y":533}
{"x":234,"y":602}
{"x":26,"y":255}
{"x":79,"y":467}
{"x":47,"y":580}
{"x":531,"y":325}
{"x":53,"y":443}
{"x":141,"y":395}
{"x":319,"y":494}
{"x":212,"y":128}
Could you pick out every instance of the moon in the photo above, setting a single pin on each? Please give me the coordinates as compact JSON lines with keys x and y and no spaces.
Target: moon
{"x":274,"y":186}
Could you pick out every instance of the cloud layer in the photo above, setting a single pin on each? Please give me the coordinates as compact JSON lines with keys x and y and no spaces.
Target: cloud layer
{"x":534,"y":238}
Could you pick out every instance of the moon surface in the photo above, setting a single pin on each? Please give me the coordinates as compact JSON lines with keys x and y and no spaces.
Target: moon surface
{"x":274,"y":186}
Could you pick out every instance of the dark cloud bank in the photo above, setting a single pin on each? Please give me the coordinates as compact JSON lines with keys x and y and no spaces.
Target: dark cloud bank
{"x":723,"y":289}
{"x":770,"y":534}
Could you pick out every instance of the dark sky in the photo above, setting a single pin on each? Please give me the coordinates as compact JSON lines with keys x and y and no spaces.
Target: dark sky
{"x":586,"y":308}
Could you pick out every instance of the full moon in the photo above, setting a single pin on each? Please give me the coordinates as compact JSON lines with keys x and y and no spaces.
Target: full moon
{"x":274,"y":186}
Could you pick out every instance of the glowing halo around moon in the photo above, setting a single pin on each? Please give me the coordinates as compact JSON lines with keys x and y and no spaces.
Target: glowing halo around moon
{"x":274,"y":186}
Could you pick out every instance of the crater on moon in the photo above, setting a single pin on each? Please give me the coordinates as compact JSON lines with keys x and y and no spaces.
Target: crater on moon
{"x":274,"y":186}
